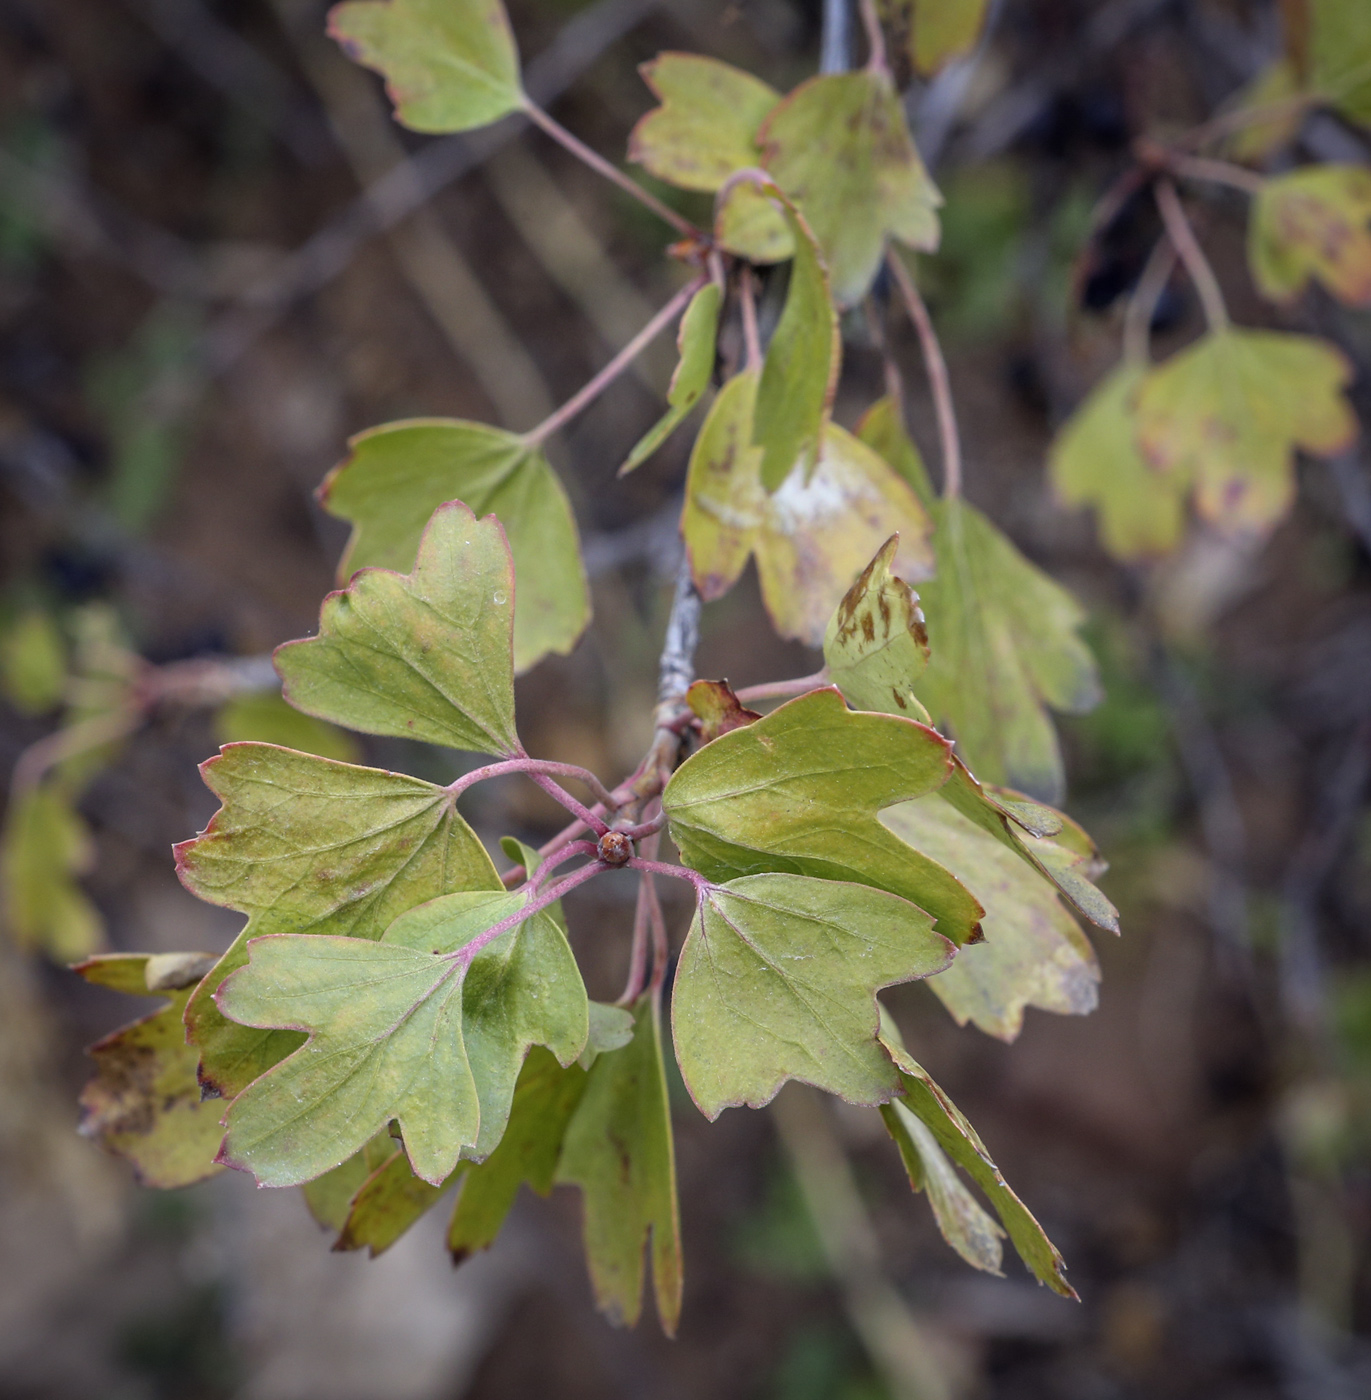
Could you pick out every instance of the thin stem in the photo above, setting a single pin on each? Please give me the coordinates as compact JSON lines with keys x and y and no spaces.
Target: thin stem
{"x":875,"y":37}
{"x":672,"y":872}
{"x":661,"y":947}
{"x":587,"y":395}
{"x":1142,"y":305}
{"x":611,"y":172}
{"x":531,"y":766}
{"x":55,"y":748}
{"x":577,"y":809}
{"x":776,"y":690}
{"x":1229,"y":122}
{"x":642,"y":919}
{"x":643,"y":829}
{"x":938,"y":381}
{"x":548,"y":896}
{"x":752,"y":340}
{"x":1219,"y":172}
{"x":568,"y":852}
{"x":1196,"y":264}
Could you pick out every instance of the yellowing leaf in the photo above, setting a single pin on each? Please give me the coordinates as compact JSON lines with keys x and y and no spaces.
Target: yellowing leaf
{"x":882,"y":430}
{"x":840,"y":147}
{"x":305,"y":845}
{"x":699,"y":326}
{"x":748,"y":225}
{"x":424,"y":655}
{"x":956,"y":1136}
{"x":718,"y":709}
{"x":1034,"y":954}
{"x":800,"y":373}
{"x":942,"y":30}
{"x":1004,"y":646}
{"x":618,"y":1150}
{"x":44,"y":848}
{"x":449,"y":65}
{"x":1314,"y":222}
{"x":144,"y":1102}
{"x":706,"y":127}
{"x":1340,"y":55}
{"x":33,"y":663}
{"x":1095,"y":461}
{"x":876,"y":645}
{"x":400,"y":473}
{"x":778,"y":981}
{"x":266,"y":718}
{"x":811,"y":537}
{"x":1274,"y":88}
{"x":429,"y":1026}
{"x":1229,"y":412}
{"x":749,"y":804}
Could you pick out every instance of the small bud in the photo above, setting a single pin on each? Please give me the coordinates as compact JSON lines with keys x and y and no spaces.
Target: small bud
{"x":615,"y":848}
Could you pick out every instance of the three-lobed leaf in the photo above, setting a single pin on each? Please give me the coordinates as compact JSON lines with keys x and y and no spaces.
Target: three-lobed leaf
{"x":696,"y":346}
{"x":449,"y":65}
{"x":305,"y":845}
{"x":1229,"y":411}
{"x":799,"y":792}
{"x":840,"y":148}
{"x":143,"y":1103}
{"x":1314,"y":222}
{"x":1095,"y":461}
{"x":812,"y":536}
{"x":778,"y":979}
{"x":397,"y":475}
{"x":618,"y":1149}
{"x":428,"y":1026}
{"x":425,"y":655}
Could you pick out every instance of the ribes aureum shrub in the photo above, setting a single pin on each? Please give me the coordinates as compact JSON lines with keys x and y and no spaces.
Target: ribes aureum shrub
{"x":400,"y":1020}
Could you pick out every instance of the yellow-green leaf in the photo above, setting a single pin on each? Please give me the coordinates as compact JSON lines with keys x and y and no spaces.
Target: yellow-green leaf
{"x":398,"y":474}
{"x":882,"y":429}
{"x":1229,"y":412}
{"x":840,"y":147}
{"x":1277,"y":116}
{"x":1005,"y":645}
{"x":330,"y":1197}
{"x":960,"y":1141}
{"x":265,"y":718}
{"x":143,"y":1103}
{"x":778,"y":981}
{"x":33,"y":662}
{"x":305,"y":845}
{"x":798,"y":793}
{"x":449,"y":65}
{"x":618,"y":1150}
{"x":942,"y":30}
{"x":425,"y":655}
{"x":1314,"y":222}
{"x":1095,"y":461}
{"x":1340,"y":55}
{"x":812,"y":537}
{"x":699,"y":326}
{"x":388,"y":1202}
{"x":44,"y":848}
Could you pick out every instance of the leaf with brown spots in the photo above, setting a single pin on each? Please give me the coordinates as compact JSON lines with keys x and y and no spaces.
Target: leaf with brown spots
{"x":717,"y":708}
{"x":144,"y":1102}
{"x":1315,"y":223}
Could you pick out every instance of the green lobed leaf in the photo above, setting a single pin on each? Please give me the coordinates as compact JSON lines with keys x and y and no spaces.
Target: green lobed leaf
{"x":706,"y":126}
{"x":876,"y":645}
{"x":1340,"y":55}
{"x":330,"y":1197}
{"x":1034,"y":954}
{"x":449,"y":65}
{"x":800,"y":372}
{"x":143,"y":1103}
{"x":425,"y":1027}
{"x":778,"y":981}
{"x":798,"y":793}
{"x":1095,"y":461}
{"x":425,"y":655}
{"x":618,"y":1150}
{"x":959,"y":1140}
{"x":1314,"y":222}
{"x":839,"y":146}
{"x":45,"y":846}
{"x":1229,"y":411}
{"x":962,"y":1220}
{"x":1004,"y":646}
{"x":266,"y":718}
{"x":695,"y":342}
{"x":305,"y":845}
{"x":388,"y":1202}
{"x":812,"y":537}
{"x":398,"y":474}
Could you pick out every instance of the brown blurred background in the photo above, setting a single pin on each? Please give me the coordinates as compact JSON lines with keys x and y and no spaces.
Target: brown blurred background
{"x":218,"y":258}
